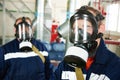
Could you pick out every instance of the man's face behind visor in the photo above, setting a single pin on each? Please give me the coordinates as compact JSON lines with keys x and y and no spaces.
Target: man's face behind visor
{"x":84,"y":30}
{"x":23,"y":29}
{"x":80,"y":24}
{"x":81,"y":31}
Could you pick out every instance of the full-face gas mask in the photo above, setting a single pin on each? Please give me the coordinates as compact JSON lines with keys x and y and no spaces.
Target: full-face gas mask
{"x":83,"y":34}
{"x":24,"y":34}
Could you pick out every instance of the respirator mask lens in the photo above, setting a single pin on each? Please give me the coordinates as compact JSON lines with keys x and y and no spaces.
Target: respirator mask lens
{"x":80,"y":35}
{"x":24,"y":32}
{"x":81,"y":30}
{"x":24,"y":35}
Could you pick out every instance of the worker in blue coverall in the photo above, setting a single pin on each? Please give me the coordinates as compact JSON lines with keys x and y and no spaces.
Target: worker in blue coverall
{"x":89,"y":51}
{"x":18,"y":60}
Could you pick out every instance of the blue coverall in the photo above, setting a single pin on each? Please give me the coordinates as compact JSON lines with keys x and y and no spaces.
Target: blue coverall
{"x":17,"y":65}
{"x":106,"y":66}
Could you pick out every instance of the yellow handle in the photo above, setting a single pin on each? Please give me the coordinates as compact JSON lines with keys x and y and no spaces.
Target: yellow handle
{"x":38,"y":52}
{"x":79,"y":74}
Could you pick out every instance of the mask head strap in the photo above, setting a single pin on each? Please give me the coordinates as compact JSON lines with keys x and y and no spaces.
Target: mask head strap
{"x":98,"y":16}
{"x":23,"y":21}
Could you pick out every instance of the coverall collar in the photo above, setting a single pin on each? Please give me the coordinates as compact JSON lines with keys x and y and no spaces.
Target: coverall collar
{"x":101,"y":54}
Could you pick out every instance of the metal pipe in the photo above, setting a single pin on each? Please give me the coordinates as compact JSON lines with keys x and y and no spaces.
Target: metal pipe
{"x":63,"y":29}
{"x":4,"y":26}
{"x":40,"y":19}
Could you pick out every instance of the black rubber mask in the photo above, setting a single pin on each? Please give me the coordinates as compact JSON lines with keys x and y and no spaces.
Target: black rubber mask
{"x":23,"y":31}
{"x":83,"y":33}
{"x":84,"y":40}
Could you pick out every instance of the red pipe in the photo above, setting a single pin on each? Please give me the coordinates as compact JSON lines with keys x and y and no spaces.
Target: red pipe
{"x":112,"y":42}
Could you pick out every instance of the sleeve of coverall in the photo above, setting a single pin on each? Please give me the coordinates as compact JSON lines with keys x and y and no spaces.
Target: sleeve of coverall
{"x":58,"y":71}
{"x":2,"y":63}
{"x":48,"y":65}
{"x":48,"y":69}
